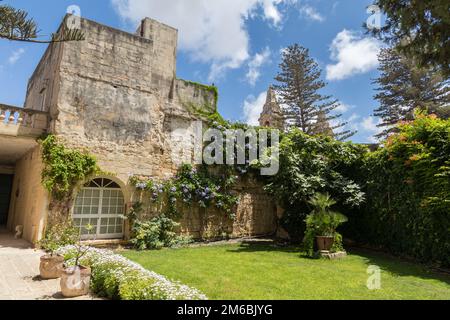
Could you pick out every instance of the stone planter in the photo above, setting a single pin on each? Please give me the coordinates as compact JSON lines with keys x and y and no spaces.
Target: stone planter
{"x":51,"y":266}
{"x":75,"y":281}
{"x":324,"y":243}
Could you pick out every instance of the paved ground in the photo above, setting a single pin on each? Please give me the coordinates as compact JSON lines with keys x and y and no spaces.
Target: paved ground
{"x":19,"y":272}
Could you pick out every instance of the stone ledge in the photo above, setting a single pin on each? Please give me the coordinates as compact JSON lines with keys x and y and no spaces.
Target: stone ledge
{"x":331,"y":255}
{"x":106,"y":244}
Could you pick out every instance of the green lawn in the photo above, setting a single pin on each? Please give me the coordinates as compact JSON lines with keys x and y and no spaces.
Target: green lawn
{"x":265,"y":271}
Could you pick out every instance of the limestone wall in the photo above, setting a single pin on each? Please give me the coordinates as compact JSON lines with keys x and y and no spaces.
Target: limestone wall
{"x":164,"y":40}
{"x":119,"y":97}
{"x":116,"y":94}
{"x":29,"y":200}
{"x":43,"y":85}
{"x":256,"y":215}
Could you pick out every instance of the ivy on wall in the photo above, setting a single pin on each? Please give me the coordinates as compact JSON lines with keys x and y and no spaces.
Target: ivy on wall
{"x":64,"y":168}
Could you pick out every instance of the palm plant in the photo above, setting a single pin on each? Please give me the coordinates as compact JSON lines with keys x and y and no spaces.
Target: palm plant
{"x":322,"y":219}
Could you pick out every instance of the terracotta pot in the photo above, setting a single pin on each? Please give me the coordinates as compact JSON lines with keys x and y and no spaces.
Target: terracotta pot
{"x":51,"y":266}
{"x":75,"y":281}
{"x":324,"y":243}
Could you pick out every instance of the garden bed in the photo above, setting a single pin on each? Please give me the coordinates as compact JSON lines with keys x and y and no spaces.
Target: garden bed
{"x":116,"y":277}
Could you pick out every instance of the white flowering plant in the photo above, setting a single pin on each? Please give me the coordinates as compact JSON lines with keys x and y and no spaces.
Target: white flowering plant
{"x":116,"y":277}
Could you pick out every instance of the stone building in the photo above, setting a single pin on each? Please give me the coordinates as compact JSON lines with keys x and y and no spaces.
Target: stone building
{"x":117,"y":95}
{"x":272,"y":115}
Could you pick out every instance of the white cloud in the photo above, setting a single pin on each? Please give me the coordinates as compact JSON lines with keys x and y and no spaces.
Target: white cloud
{"x":311,"y":13}
{"x":255,"y":64}
{"x":212,"y":32}
{"x":15,"y":56}
{"x":353,"y":55}
{"x":369,"y":126}
{"x":271,"y":11}
{"x":253,"y":108}
{"x":343,"y":108}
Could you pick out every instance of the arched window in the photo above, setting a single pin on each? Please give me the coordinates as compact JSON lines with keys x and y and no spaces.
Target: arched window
{"x":99,"y":204}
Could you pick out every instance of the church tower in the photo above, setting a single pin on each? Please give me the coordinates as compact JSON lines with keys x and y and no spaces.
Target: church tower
{"x":271,"y":115}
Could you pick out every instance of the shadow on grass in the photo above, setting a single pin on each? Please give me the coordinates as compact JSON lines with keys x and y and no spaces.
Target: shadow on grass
{"x":399,"y":267}
{"x":388,"y":263}
{"x":266,"y":246}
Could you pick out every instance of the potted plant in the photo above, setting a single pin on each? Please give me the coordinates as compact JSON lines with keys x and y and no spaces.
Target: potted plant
{"x":51,"y":264}
{"x":76,"y":279}
{"x":323,"y":221}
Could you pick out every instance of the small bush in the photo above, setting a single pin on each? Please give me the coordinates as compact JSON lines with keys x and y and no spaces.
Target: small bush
{"x":156,"y":234}
{"x":58,"y":235}
{"x":135,"y":288}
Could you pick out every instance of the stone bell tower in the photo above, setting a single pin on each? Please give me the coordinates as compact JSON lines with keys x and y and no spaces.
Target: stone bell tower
{"x":271,"y":115}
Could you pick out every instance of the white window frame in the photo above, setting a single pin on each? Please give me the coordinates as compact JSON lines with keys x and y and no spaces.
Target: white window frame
{"x":99,"y":215}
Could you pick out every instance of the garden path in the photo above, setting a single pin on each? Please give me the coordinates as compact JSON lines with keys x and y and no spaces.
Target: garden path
{"x":19,"y":272}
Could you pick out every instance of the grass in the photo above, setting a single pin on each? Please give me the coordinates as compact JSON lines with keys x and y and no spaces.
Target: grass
{"x":265,"y":271}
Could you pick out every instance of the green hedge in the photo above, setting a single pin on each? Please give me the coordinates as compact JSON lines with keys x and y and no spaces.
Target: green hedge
{"x":407,"y":186}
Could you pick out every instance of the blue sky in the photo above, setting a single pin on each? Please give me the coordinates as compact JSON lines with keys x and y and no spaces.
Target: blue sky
{"x":234,"y":44}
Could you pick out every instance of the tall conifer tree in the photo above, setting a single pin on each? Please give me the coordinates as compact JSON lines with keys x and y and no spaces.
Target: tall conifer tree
{"x":298,"y":87}
{"x":404,"y":86}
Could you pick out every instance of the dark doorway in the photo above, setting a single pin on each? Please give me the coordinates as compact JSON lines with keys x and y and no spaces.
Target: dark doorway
{"x":6,"y":181}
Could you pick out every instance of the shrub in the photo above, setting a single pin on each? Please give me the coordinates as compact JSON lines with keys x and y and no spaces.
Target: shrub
{"x":156,"y":234}
{"x":309,"y":165}
{"x":115,"y":277}
{"x":136,"y":288}
{"x":58,"y":235}
{"x":408,"y":190}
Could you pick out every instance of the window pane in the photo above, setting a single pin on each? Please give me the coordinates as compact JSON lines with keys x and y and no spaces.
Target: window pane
{"x":88,"y":202}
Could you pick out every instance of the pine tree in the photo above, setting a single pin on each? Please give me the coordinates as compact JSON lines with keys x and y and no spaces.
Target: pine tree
{"x":298,"y":88}
{"x":403,"y":86}
{"x":15,"y":25}
{"x":420,"y":29}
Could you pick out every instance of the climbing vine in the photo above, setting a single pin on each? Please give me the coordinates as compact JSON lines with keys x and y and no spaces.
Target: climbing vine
{"x":64,"y":167}
{"x":190,"y":186}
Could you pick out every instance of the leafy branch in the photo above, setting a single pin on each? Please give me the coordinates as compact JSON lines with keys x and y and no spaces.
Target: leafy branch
{"x":16,"y":25}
